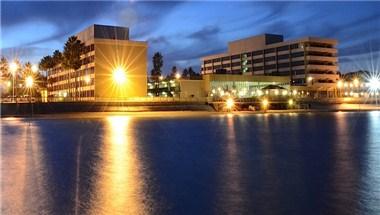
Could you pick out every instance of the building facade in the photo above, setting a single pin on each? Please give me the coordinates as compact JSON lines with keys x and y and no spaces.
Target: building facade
{"x":113,"y":67}
{"x":310,"y":62}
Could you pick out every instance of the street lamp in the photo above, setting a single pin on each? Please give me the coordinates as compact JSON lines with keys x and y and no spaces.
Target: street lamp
{"x":265,"y":104}
{"x":34,"y":68}
{"x":29,"y":81}
{"x":177,"y":76}
{"x":230,"y":103}
{"x":13,"y":68}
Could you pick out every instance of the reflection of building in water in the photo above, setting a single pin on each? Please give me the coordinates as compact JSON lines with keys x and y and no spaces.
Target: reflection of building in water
{"x":112,"y":67}
{"x":120,"y":182}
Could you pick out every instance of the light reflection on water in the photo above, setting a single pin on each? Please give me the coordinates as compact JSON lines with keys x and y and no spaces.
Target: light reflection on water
{"x":119,"y":187}
{"x":326,"y":163}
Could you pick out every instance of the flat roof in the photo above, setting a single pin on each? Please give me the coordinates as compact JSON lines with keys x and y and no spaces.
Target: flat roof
{"x":273,"y":45}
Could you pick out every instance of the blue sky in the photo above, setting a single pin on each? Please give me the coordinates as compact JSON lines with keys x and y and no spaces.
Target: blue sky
{"x":185,"y":31}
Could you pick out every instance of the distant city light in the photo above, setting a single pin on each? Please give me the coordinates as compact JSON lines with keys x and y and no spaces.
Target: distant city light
{"x":29,"y":82}
{"x":119,"y":76}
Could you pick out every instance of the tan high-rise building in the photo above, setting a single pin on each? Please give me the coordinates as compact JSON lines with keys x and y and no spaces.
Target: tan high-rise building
{"x":311,"y":62}
{"x":113,"y":67}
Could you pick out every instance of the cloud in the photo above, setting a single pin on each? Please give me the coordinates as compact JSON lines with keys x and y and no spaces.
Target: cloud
{"x":205,"y":33}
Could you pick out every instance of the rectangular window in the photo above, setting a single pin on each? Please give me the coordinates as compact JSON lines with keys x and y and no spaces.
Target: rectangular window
{"x":257,"y":52}
{"x":225,"y":58}
{"x":270,"y":58}
{"x":233,"y":57}
{"x":294,"y":46}
{"x":236,"y":64}
{"x":282,"y":57}
{"x":298,"y":54}
{"x":270,"y":67}
{"x":283,"y":48}
{"x":283,"y":65}
{"x":267,"y":51}
{"x":298,"y":63}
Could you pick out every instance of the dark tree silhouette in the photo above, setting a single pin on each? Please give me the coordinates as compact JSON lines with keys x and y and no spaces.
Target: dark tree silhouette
{"x":158,"y":62}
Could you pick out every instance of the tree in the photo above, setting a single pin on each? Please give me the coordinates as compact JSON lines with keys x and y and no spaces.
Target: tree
{"x":27,"y":70}
{"x":46,"y":63}
{"x":71,"y":57}
{"x":185,"y":74}
{"x":4,"y":67}
{"x":157,"y":65}
{"x":194,"y":75}
{"x":57,"y":57}
{"x":173,"y":72}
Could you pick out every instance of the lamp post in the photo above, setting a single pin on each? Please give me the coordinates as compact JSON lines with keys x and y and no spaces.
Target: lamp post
{"x":13,"y":67}
{"x":29,"y":82}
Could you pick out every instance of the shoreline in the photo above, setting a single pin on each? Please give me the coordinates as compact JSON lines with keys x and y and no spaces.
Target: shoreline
{"x":171,"y":114}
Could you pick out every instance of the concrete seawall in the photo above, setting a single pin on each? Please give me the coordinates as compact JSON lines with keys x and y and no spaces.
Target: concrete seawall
{"x":25,"y":109}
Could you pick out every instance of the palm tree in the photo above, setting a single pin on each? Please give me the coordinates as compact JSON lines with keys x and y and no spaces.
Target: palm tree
{"x":57,"y":57}
{"x":4,"y":67}
{"x":47,"y":64}
{"x":71,"y":57}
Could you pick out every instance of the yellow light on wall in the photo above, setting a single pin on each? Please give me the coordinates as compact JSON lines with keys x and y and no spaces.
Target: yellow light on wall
{"x":87,"y":79}
{"x":119,"y":76}
{"x":29,"y":82}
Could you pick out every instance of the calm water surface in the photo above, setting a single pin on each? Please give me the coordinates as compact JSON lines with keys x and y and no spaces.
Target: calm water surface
{"x":320,"y":163}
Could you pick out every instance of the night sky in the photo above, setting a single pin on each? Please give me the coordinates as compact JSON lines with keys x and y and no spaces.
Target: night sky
{"x":185,"y":31}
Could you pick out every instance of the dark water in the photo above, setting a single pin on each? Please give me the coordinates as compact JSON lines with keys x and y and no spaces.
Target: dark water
{"x":327,"y":163}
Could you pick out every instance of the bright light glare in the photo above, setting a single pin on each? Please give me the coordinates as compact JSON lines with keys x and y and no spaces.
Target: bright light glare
{"x":119,"y":76}
{"x":356,"y":82}
{"x":374,"y":84}
{"x":34,"y":68}
{"x":177,"y":76}
{"x":339,"y":84}
{"x":291,"y":102}
{"x":87,"y":79}
{"x":29,"y":82}
{"x":13,"y":67}
{"x":230,"y":103}
{"x":265,"y":103}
